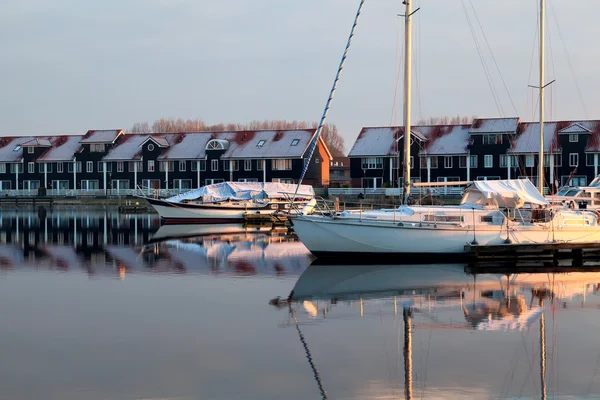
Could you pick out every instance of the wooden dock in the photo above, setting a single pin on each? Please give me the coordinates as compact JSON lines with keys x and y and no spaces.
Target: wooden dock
{"x":6,"y":200}
{"x":265,"y":219}
{"x":537,"y":252}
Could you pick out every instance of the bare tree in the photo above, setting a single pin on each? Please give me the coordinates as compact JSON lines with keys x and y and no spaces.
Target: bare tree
{"x":330,"y":134}
{"x":446,"y":120}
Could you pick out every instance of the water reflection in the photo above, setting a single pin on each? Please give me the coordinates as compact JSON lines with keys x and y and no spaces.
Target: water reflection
{"x":451,"y":298}
{"x":105,"y":242}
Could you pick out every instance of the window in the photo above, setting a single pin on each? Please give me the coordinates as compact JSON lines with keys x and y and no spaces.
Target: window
{"x":260,"y":165}
{"x":573,"y":160}
{"x":89,"y":166}
{"x":41,"y":167}
{"x":214,"y":165}
{"x":150,"y":165}
{"x":214,"y":180}
{"x":119,"y":184}
{"x":151,"y":183}
{"x":412,"y":162}
{"x":247,"y":180}
{"x":317,"y":160}
{"x":2,"y":168}
{"x":295,"y":142}
{"x":529,"y":160}
{"x":508,"y":161}
{"x":60,"y":167}
{"x":166,"y":165}
{"x":150,"y":147}
{"x":181,"y":166}
{"x":233,"y":163}
{"x":247,"y":165}
{"x":573,"y":137}
{"x":577,"y":180}
{"x":202,"y":165}
{"x":31,"y":167}
{"x":260,"y":143}
{"x":282,"y":164}
{"x":30,"y":150}
{"x":447,"y":162}
{"x":89,"y":184}
{"x":488,"y":161}
{"x":100,"y":167}
{"x":17,"y":148}
{"x":488,"y":178}
{"x":182,"y":184}
{"x":97,"y":148}
{"x":492,"y":139}
{"x":132,"y":165}
{"x":77,"y":166}
{"x":589,"y":159}
{"x":120,"y":166}
{"x":372,"y":163}
{"x":557,"y":160}
{"x":16,"y":168}
{"x":473,"y":160}
{"x":433,"y":162}
{"x":282,"y":180}
{"x":31,"y":185}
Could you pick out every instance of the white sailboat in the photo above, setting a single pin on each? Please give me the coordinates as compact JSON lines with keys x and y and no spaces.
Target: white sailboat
{"x":491,"y":212}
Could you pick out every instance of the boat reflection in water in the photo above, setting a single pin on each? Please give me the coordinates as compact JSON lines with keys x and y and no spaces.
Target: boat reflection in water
{"x":444,"y":297}
{"x":228,"y":248}
{"x":103,"y":242}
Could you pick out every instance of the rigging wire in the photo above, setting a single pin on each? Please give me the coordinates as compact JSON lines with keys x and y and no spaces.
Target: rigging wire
{"x":328,"y":103}
{"x":399,"y":60}
{"x":493,"y":58}
{"x":479,"y":52}
{"x":308,"y":355}
{"x":569,"y":60}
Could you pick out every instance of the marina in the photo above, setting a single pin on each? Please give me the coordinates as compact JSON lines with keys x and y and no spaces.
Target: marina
{"x":217,"y":298}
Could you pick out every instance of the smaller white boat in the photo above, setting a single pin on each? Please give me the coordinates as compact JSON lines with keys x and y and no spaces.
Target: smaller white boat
{"x":232,"y":202}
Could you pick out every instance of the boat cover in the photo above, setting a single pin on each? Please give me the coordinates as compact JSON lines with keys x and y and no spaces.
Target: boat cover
{"x":512,"y":193}
{"x":239,"y":191}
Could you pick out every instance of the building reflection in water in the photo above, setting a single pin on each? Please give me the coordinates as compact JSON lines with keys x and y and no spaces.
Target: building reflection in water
{"x":106,"y":242}
{"x":440,"y":298}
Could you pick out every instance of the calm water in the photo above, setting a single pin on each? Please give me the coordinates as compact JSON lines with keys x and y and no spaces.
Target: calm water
{"x":97,"y":305}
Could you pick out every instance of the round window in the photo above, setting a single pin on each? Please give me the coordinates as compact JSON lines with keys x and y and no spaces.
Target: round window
{"x":150,"y":147}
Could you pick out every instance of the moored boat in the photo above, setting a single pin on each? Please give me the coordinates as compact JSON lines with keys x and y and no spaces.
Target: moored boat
{"x":232,"y":202}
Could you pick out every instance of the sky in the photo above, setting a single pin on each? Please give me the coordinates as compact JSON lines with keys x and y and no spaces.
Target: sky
{"x":68,"y":66}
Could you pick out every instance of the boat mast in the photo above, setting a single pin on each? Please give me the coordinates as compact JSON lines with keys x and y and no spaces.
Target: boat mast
{"x":407,"y":95}
{"x":541,"y":101}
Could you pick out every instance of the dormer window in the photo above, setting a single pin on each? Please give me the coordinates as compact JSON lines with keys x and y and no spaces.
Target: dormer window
{"x":97,"y":148}
{"x":17,"y":148}
{"x":295,"y":142}
{"x":260,"y":143}
{"x":573,"y":137}
{"x":217,"y":144}
{"x":30,"y":150}
{"x":492,"y":139}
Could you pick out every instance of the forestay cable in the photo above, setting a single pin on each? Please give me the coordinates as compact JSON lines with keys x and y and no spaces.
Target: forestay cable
{"x":331,"y":93}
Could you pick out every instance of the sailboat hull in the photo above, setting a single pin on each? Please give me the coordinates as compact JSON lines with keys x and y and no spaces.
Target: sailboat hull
{"x":327,"y":237}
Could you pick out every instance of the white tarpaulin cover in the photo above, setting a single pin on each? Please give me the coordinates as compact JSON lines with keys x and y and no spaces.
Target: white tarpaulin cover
{"x":503,"y":193}
{"x":244,"y":191}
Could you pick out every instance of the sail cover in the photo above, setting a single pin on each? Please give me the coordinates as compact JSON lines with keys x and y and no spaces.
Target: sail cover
{"x":510,"y":193}
{"x":239,"y":191}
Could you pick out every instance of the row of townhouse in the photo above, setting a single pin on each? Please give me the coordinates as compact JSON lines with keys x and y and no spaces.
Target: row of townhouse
{"x":114,"y":161}
{"x":493,"y":148}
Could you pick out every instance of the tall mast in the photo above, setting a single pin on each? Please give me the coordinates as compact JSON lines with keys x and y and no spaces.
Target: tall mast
{"x":541,"y":101}
{"x":407,"y":96}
